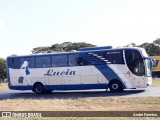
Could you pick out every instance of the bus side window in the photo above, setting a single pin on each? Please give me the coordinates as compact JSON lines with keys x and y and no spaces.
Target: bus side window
{"x":59,"y":61}
{"x":72,"y":60}
{"x":115,"y":57}
{"x":43,"y":62}
{"x":30,"y":60}
{"x":119,"y":58}
{"x":82,"y":62}
{"x":14,"y":63}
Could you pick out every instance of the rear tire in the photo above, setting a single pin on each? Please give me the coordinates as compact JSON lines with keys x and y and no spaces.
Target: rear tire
{"x":115,"y":86}
{"x":38,"y":88}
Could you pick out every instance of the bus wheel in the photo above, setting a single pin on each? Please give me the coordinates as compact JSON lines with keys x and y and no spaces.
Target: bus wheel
{"x":38,"y":88}
{"x":115,"y":86}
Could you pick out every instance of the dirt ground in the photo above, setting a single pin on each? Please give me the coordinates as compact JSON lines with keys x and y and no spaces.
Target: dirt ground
{"x":82,"y":104}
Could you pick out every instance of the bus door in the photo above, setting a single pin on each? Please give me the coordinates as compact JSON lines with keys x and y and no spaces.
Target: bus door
{"x":138,"y":76}
{"x":135,"y":64}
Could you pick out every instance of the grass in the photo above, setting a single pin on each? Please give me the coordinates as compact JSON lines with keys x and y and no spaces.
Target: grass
{"x":156,"y":82}
{"x":4,"y":86}
{"x":82,"y":104}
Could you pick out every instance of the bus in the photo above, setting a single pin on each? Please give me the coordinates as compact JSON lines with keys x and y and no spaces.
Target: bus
{"x":156,"y":67}
{"x":89,"y":68}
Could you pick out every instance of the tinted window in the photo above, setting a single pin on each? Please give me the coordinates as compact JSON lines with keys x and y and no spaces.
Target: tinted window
{"x":132,"y":55}
{"x":114,"y":57}
{"x":82,"y":62}
{"x":59,"y":61}
{"x":14,"y":63}
{"x":30,"y":60}
{"x":135,"y":62}
{"x":72,"y":60}
{"x":43,"y":62}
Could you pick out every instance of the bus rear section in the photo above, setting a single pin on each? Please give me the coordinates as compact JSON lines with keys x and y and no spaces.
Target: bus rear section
{"x":156,"y":67}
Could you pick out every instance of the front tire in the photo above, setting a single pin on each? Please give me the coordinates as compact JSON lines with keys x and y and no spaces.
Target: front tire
{"x":38,"y":88}
{"x":115,"y":86}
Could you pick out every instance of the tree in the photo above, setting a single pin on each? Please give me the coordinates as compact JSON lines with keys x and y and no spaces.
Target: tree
{"x":3,"y":73}
{"x":76,"y":46}
{"x":41,"y":50}
{"x":66,"y":46}
{"x":157,"y":41}
{"x":131,"y":45}
{"x":152,"y":49}
{"x":56,"y":47}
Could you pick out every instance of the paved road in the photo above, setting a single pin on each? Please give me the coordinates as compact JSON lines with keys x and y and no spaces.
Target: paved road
{"x":12,"y":94}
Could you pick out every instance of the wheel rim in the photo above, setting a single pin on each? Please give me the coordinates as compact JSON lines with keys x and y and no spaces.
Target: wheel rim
{"x":38,"y":88}
{"x":115,"y":86}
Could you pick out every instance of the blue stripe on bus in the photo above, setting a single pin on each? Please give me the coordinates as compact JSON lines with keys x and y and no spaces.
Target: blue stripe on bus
{"x":108,"y":73}
{"x":65,"y":87}
{"x":21,"y":87}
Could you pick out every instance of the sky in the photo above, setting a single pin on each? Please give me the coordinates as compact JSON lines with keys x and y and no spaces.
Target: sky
{"x":26,"y":24}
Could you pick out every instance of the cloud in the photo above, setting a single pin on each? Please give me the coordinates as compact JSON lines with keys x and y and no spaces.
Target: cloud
{"x":2,"y":25}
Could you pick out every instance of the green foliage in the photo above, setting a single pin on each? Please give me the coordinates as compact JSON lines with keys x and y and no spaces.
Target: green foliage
{"x":157,"y":41}
{"x":41,"y":50}
{"x":152,"y":49}
{"x":66,"y":46}
{"x":56,"y":47}
{"x":2,"y":68}
{"x":131,"y":44}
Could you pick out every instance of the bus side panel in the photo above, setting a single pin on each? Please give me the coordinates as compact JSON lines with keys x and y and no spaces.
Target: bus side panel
{"x":124,"y":74}
{"x":17,"y":78}
{"x":56,"y":80}
{"x":91,"y":75}
{"x":76,"y":87}
{"x":83,"y":75}
{"x":79,"y":75}
{"x":88,"y":76}
{"x":128,"y":78}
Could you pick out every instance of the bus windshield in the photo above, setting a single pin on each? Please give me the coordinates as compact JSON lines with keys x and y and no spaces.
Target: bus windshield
{"x":137,"y":64}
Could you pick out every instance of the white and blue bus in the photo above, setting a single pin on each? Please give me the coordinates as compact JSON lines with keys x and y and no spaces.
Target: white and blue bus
{"x":89,"y":68}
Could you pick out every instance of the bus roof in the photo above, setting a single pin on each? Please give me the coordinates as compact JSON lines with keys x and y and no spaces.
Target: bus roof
{"x":78,"y":52}
{"x":95,"y":48}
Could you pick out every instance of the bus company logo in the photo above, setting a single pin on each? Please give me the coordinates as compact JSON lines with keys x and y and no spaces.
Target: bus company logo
{"x":51,"y":72}
{"x":6,"y":114}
